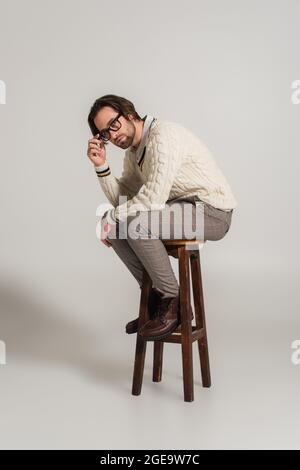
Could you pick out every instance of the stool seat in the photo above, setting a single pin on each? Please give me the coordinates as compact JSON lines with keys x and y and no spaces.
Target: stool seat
{"x":183,"y":242}
{"x":188,"y":254}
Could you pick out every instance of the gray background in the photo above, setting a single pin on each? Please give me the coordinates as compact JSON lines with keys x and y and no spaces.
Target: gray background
{"x":223,"y":69}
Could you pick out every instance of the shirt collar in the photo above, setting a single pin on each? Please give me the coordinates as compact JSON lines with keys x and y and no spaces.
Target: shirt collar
{"x":148,"y":119}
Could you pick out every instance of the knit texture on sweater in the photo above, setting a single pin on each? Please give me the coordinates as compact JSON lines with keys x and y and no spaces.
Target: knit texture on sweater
{"x":175,"y":164}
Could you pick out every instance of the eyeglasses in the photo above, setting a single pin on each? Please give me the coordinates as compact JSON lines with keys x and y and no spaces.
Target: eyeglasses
{"x":114,"y":126}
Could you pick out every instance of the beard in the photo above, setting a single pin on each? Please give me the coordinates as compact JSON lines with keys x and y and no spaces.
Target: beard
{"x":127,"y":142}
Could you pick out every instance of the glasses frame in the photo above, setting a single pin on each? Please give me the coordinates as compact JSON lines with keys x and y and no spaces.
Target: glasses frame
{"x":108,"y":129}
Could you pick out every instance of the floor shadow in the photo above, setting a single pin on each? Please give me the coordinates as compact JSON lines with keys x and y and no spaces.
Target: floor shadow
{"x":36,"y":331}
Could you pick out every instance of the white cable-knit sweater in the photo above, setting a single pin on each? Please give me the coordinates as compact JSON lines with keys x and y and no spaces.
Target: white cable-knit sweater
{"x":171,"y":162}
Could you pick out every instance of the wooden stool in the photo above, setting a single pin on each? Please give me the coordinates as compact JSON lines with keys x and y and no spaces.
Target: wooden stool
{"x":188,"y":254}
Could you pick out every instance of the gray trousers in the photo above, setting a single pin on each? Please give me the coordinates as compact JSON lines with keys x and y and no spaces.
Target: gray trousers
{"x":138,"y":242}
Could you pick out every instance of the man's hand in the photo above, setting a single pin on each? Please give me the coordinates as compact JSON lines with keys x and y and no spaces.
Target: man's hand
{"x":96,"y":151}
{"x":105,"y":229}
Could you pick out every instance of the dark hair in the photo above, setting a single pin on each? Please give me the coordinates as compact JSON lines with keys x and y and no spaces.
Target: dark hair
{"x":120,"y":104}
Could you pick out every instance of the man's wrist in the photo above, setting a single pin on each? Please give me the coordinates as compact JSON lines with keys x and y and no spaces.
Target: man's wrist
{"x":109,"y":217}
{"x":102,"y":166}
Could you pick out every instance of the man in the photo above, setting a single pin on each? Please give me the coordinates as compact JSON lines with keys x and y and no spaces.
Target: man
{"x":164,"y":165}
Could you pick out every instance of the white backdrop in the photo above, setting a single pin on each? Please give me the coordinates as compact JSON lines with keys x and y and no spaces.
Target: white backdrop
{"x":223,"y":69}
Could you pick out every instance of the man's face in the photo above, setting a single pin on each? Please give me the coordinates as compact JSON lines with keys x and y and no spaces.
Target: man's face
{"x":127,"y":130}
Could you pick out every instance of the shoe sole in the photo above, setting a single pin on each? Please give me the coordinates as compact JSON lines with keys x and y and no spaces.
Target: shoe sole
{"x":131,"y":330}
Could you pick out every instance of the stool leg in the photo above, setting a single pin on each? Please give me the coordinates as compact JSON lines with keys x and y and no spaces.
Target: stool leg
{"x":157,"y":360}
{"x":186,"y":325}
{"x":200,"y":317}
{"x":140,"y":349}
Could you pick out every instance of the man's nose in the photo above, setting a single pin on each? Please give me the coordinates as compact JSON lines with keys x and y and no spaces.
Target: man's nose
{"x":114,"y":135}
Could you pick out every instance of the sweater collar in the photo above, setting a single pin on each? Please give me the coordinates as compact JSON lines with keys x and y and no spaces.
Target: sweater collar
{"x":148,"y":120}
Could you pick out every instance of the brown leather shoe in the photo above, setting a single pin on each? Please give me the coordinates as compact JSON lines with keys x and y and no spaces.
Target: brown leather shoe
{"x":166,"y":321}
{"x":154,"y":300}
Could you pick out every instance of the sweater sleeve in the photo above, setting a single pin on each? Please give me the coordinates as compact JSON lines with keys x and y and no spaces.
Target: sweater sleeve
{"x":165,"y":158}
{"x":127,"y":185}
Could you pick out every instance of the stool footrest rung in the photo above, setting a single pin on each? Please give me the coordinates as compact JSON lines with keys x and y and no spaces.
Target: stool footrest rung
{"x":176,"y":336}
